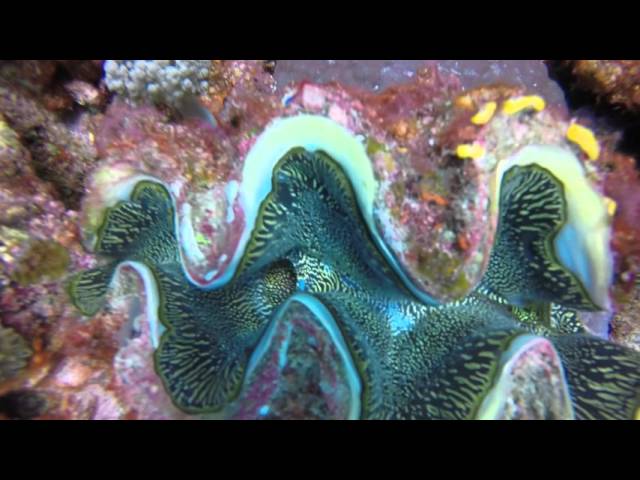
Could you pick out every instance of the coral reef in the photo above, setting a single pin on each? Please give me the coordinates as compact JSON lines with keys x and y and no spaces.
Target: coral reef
{"x":612,"y":81}
{"x":59,"y":85}
{"x":165,"y":82}
{"x":60,"y":154}
{"x":428,"y":148}
{"x":622,"y":184}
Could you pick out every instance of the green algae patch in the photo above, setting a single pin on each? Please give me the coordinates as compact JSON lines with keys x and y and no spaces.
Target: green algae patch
{"x":14,"y":353}
{"x":43,"y":260}
{"x":373,"y":147}
{"x":440,"y":268}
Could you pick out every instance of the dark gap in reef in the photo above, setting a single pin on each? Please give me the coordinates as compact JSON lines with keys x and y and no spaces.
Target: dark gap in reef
{"x":613,"y":116}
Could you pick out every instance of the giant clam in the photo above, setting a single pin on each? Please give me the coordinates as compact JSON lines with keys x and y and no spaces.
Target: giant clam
{"x":310,"y":239}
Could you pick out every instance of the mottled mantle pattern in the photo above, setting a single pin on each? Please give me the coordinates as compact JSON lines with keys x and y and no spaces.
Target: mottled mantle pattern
{"x":412,"y":360}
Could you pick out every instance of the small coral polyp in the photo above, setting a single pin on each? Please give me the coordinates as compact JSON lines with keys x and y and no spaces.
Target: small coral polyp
{"x":310,"y":238}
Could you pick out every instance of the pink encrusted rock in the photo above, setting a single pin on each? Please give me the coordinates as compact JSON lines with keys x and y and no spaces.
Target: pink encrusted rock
{"x":93,"y":402}
{"x":40,"y":248}
{"x":73,"y":373}
{"x":103,"y":368}
{"x":621,"y":182}
{"x":536,"y":386}
{"x":195,"y":161}
{"x":313,"y":97}
{"x":61,"y":155}
{"x":39,"y":244}
{"x":300,"y":376}
{"x":137,"y":383}
{"x":135,"y":378}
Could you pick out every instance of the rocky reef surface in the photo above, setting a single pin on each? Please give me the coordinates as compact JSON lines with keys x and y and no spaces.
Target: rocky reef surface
{"x":76,"y":136}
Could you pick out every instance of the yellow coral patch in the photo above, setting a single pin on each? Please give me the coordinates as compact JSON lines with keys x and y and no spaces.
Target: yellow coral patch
{"x":585,"y":139}
{"x":517,"y":104}
{"x":485,"y":113}
{"x":3,"y":126}
{"x":473,"y":150}
{"x":611,"y":205}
